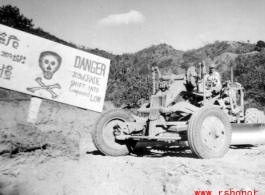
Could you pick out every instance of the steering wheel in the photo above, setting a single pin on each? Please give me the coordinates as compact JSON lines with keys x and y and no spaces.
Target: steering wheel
{"x":211,"y":83}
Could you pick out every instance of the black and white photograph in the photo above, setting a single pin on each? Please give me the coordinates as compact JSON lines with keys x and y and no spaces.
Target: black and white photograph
{"x":132,"y":97}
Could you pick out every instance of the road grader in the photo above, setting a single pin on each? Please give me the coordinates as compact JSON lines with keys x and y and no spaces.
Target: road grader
{"x":184,"y":110}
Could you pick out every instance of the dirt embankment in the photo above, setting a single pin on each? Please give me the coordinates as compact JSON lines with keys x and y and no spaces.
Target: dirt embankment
{"x":58,"y":125}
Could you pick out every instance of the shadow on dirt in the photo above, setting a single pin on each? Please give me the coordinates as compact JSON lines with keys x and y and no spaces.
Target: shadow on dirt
{"x":184,"y":152}
{"x":243,"y":147}
{"x":156,"y":152}
{"x":95,"y":152}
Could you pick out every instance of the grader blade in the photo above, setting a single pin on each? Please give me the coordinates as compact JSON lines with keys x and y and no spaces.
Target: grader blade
{"x":244,"y":134}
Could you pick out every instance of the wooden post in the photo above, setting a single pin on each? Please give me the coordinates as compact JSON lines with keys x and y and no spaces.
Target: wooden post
{"x":33,"y":110}
{"x":203,"y":83}
{"x":232,"y":75}
{"x":154,"y":79}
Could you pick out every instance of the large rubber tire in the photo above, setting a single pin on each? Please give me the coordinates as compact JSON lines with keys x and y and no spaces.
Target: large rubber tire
{"x":209,"y":132}
{"x":253,"y":115}
{"x":103,"y":137}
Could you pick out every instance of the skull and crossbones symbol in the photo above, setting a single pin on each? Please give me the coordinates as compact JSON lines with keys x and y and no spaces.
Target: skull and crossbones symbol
{"x":49,"y":63}
{"x":46,"y":87}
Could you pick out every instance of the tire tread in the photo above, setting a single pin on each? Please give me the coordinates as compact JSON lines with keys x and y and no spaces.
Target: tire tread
{"x":97,"y":132}
{"x":194,"y":129}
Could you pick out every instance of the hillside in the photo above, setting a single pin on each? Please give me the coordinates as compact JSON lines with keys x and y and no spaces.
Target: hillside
{"x":171,"y":60}
{"x":210,"y":51}
{"x":167,"y":58}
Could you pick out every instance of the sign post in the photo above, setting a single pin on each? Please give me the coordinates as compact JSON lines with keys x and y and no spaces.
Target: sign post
{"x":34,"y":107}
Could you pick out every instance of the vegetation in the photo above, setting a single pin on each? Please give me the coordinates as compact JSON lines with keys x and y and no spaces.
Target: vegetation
{"x":10,"y":16}
{"x":167,"y":58}
{"x":130,"y":74}
{"x":250,"y":72}
{"x":212,"y":50}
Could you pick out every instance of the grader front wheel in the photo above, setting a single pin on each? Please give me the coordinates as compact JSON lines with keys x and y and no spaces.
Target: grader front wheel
{"x":209,"y":132}
{"x":103,"y":133}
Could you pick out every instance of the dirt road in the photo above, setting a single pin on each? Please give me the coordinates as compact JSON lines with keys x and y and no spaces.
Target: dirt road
{"x":151,"y":172}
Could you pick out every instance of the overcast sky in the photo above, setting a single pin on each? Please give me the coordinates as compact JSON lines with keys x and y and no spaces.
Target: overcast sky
{"x":127,"y":26}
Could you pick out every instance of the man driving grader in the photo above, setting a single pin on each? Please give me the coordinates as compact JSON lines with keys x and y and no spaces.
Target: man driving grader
{"x":214,"y":78}
{"x":204,"y":118}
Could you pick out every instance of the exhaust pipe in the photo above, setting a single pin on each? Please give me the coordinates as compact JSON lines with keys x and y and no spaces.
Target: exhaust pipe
{"x":244,"y":134}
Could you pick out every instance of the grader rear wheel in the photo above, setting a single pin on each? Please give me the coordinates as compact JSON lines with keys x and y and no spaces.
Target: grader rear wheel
{"x":253,"y":115}
{"x":103,"y":133}
{"x":209,"y":132}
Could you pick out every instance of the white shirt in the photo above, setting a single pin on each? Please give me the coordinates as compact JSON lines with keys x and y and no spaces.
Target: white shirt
{"x":214,"y":78}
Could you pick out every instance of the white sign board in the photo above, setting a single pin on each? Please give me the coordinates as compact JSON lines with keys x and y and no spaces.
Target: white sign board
{"x":42,"y":68}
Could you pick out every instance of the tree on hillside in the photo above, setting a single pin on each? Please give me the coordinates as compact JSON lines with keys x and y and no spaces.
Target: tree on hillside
{"x":126,"y":84}
{"x":10,"y":16}
{"x":193,"y":58}
{"x":259,"y":46}
{"x":164,"y":55}
{"x":250,"y":72}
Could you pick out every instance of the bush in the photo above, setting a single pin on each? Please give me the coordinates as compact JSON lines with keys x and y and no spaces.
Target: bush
{"x":250,"y":72}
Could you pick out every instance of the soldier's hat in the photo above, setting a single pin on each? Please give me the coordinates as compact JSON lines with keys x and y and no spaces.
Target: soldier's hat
{"x":212,"y":65}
